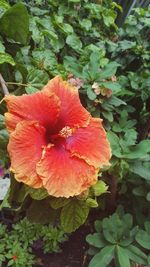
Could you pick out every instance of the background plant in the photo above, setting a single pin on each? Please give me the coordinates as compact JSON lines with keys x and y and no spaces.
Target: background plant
{"x":17,"y":244}
{"x":110,"y":66}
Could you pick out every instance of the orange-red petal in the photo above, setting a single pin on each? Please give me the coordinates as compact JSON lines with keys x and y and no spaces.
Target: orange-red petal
{"x":90,"y":143}
{"x":39,"y":106}
{"x":25,"y":150}
{"x":64,"y":175}
{"x":72,"y":113}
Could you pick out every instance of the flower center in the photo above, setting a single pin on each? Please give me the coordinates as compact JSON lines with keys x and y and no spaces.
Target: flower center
{"x":66,"y":132}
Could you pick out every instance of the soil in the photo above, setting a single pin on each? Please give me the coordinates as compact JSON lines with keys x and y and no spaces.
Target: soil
{"x":74,"y":252}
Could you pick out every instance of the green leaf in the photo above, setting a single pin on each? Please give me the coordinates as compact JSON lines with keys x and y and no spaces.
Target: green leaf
{"x":103,"y":258}
{"x":36,"y":79}
{"x":139,"y":151}
{"x":96,"y":240}
{"x":141,"y":168}
{"x":74,"y":41}
{"x":14,"y":24}
{"x":114,"y":142}
{"x":122,"y":257}
{"x":6,"y":58}
{"x":73,"y":215}
{"x":38,"y":194}
{"x":91,"y":95}
{"x":136,"y":255}
{"x":4,"y":4}
{"x":85,"y":24}
{"x":108,"y":115}
{"x":99,"y":188}
{"x":40,"y":212}
{"x":143,"y":239}
{"x":31,"y":90}
{"x":109,"y":70}
{"x":57,"y":203}
{"x":92,"y":203}
{"x":45,"y":59}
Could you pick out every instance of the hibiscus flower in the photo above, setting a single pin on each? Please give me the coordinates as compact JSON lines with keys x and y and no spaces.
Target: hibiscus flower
{"x":54,"y":142}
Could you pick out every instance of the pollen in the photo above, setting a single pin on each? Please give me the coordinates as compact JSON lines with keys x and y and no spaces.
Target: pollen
{"x":66,"y":132}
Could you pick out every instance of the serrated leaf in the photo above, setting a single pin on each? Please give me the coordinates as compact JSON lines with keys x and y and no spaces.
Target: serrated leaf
{"x":73,"y":215}
{"x":60,"y":202}
{"x":103,"y":258}
{"x":36,"y":79}
{"x":38,"y":194}
{"x":14,"y":23}
{"x":6,"y":58}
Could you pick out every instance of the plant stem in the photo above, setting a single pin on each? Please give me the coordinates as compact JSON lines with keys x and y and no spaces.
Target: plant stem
{"x":3,"y":85}
{"x":18,"y":84}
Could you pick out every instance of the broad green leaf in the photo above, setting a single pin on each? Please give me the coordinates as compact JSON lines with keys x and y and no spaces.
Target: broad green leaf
{"x":143,"y":239}
{"x":141,"y":168}
{"x":122,"y":256}
{"x":38,"y":194}
{"x":40,"y":212}
{"x":85,"y":24}
{"x":74,"y":42}
{"x":73,"y":215}
{"x":96,"y":240}
{"x":14,"y":24}
{"x":6,"y":58}
{"x":136,"y":255}
{"x":139,"y":151}
{"x":109,"y":70}
{"x":36,"y":79}
{"x":60,"y":202}
{"x":103,"y":258}
{"x":31,"y":90}
{"x":99,"y":188}
{"x":45,"y":59}
{"x":114,"y":86}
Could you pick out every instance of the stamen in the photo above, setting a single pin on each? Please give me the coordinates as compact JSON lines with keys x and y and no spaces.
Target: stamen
{"x":66,"y":132}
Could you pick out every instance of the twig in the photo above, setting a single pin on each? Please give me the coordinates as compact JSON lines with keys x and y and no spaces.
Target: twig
{"x":3,"y":85}
{"x":18,"y":84}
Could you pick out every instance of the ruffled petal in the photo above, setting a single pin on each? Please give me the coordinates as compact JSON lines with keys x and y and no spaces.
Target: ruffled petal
{"x":90,"y":144}
{"x":39,"y":106}
{"x":25,"y":150}
{"x":63,"y":175}
{"x":72,"y":113}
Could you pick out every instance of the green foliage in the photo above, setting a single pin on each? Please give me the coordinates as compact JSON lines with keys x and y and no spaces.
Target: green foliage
{"x":116,"y":239}
{"x":80,"y":41}
{"x":16,"y":244}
